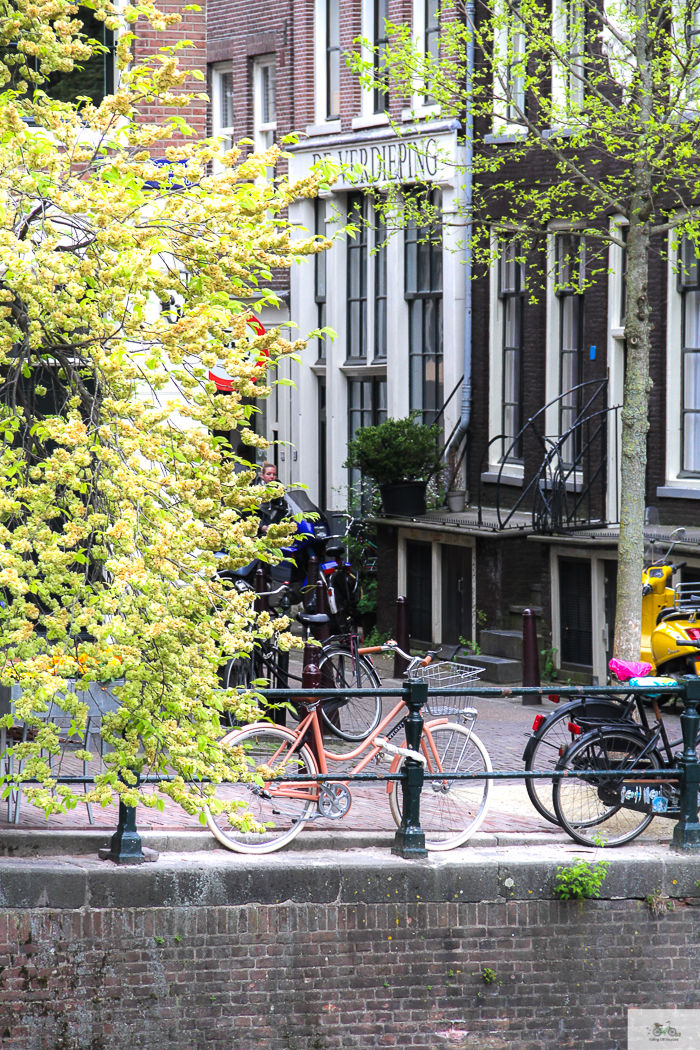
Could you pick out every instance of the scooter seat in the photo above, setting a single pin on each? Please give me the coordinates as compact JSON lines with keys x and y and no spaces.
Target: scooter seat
{"x":312,"y":619}
{"x":626,"y":669}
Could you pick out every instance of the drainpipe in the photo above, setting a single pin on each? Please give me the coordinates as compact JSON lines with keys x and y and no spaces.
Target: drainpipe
{"x":465,"y":416}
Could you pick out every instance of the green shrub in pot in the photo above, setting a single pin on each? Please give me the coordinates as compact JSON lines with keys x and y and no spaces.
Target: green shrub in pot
{"x":400,"y":456}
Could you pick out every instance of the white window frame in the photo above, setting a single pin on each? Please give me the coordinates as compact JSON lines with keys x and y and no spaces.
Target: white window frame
{"x":418,"y":108}
{"x":681,"y":487}
{"x":502,"y":123}
{"x":512,"y":472}
{"x":323,"y":126}
{"x":567,"y":89}
{"x":263,"y":131}
{"x":367,"y":117}
{"x":218,"y":130}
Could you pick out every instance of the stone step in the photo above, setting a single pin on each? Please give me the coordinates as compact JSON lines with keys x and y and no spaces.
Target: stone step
{"x":496,"y":668}
{"x":508,"y":644}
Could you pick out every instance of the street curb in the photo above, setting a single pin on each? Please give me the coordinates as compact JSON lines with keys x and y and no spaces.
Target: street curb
{"x":33,"y":842}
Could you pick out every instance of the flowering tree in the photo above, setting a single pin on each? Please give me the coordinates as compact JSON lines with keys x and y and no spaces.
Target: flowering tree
{"x":123,"y":281}
{"x":594,"y":106}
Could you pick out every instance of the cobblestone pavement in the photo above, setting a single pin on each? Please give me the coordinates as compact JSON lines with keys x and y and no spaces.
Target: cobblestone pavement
{"x":502,"y":725}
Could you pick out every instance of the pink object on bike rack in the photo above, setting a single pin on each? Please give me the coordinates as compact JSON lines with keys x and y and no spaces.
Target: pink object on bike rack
{"x":624,"y":670}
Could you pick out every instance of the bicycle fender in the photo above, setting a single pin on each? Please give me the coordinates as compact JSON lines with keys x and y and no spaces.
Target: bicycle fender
{"x":596,"y":706}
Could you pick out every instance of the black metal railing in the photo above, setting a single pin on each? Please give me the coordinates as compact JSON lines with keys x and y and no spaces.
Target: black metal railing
{"x":565,"y":481}
{"x":410,"y":840}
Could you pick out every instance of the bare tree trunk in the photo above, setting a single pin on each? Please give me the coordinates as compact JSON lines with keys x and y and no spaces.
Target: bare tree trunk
{"x":635,"y":424}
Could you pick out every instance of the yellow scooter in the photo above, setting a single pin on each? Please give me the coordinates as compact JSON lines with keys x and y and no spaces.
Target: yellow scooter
{"x":670,"y":619}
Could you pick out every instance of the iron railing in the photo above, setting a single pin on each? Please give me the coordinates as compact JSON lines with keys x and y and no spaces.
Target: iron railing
{"x":567,"y":482}
{"x":410,"y":841}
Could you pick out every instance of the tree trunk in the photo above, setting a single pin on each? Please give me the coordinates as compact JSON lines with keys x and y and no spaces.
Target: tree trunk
{"x":635,"y":424}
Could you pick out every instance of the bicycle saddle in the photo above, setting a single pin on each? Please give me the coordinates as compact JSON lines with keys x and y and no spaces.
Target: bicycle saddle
{"x":625,"y":669}
{"x":311,"y":619}
{"x":335,"y":549}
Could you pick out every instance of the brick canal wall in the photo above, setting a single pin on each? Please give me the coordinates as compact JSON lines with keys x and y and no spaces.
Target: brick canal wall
{"x":312,"y":953}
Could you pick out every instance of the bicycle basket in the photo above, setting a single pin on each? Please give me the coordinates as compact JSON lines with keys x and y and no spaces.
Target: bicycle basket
{"x":444,"y":675}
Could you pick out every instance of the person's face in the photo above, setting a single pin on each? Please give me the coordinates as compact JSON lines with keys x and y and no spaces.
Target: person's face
{"x":269,"y":474}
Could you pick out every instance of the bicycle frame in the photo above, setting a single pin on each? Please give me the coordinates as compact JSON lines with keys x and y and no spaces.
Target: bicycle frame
{"x":311,"y":722}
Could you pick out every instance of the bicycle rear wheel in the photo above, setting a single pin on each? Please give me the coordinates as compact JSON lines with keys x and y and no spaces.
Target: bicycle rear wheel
{"x":590,"y":809}
{"x":450,"y":810}
{"x":360,"y":715}
{"x":548,"y":743}
{"x":284,"y":809}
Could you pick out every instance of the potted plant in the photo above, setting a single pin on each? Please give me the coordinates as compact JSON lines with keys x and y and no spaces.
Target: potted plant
{"x":400,"y":456}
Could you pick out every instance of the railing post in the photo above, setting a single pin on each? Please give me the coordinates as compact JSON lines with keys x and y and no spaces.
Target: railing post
{"x":410,"y":840}
{"x":531,"y":661}
{"x":686,"y":834}
{"x":125,"y":844}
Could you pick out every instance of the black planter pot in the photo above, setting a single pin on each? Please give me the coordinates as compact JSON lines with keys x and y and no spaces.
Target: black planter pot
{"x":405,"y":499}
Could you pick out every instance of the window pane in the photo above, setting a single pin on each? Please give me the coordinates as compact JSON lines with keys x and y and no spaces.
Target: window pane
{"x":226,"y":98}
{"x":511,"y":335}
{"x":333,"y":58}
{"x":269,"y":99}
{"x":691,"y":336}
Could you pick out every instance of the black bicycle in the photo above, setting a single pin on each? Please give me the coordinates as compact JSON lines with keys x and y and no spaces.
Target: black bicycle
{"x":610,"y":810}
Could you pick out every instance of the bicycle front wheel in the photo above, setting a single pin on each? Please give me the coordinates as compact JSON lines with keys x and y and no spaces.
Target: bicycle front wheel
{"x":281,"y":806}
{"x":358,"y":716}
{"x":592,"y":809}
{"x":450,"y":810}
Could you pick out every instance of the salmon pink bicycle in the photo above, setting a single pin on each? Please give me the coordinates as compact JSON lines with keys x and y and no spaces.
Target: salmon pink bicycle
{"x":451,"y":810}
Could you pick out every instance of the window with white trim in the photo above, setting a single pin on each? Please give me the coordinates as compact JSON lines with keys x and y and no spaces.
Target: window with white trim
{"x":357,"y":257}
{"x":332,"y":70}
{"x":510,"y":63}
{"x":511,"y":292}
{"x":569,"y":253}
{"x":222,"y":103}
{"x":264,"y":101}
{"x":380,"y":41}
{"x":689,"y":288}
{"x":423,"y":292}
{"x":568,"y":74}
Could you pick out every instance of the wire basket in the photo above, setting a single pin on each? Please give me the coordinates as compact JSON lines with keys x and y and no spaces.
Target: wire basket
{"x":443,"y":675}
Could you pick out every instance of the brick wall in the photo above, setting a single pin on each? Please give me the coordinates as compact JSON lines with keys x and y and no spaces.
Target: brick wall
{"x":339,"y":977}
{"x":192,"y":27}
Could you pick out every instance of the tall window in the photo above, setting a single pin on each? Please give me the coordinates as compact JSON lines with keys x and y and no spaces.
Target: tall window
{"x":264,"y":101}
{"x":357,"y":277}
{"x":381,"y":14}
{"x":222,"y":103}
{"x":569,"y":283}
{"x":366,"y":408}
{"x":509,"y":74}
{"x":431,"y":31}
{"x":569,"y":30}
{"x":689,"y":286}
{"x":511,"y":288}
{"x":320,"y":275}
{"x":380,"y":285}
{"x":423,"y":290}
{"x":332,"y":59}
{"x":322,"y":455}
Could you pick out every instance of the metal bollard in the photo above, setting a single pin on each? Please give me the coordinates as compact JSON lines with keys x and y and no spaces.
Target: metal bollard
{"x":311,"y":679}
{"x":321,"y":631}
{"x":531,"y":661}
{"x":409,"y":840}
{"x":686,"y":834}
{"x":125,"y":844}
{"x":402,"y":636}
